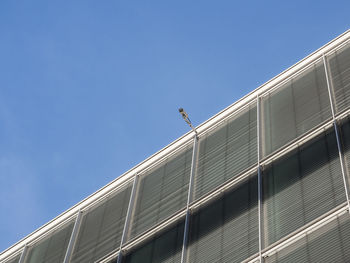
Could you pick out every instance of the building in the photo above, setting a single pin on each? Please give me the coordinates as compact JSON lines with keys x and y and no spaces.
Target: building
{"x":266,"y":180}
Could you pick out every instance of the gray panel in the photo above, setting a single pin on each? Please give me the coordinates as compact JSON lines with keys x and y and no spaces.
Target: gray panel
{"x":227,"y":151}
{"x":301,"y":186}
{"x":102,"y":227}
{"x":330,"y":243}
{"x":52,"y":248}
{"x":164,"y":248}
{"x":162,"y":192}
{"x":339,"y":64}
{"x":226,"y":230}
{"x":294,"y":108}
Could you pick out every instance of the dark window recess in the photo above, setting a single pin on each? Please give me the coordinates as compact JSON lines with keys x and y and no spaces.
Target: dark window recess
{"x":301,"y":186}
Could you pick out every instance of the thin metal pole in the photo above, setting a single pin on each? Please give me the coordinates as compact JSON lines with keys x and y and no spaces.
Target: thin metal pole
{"x":73,"y":237}
{"x":128,"y":216}
{"x":23,"y":255}
{"x":336,"y":132}
{"x":259,"y":177}
{"x":189,"y":199}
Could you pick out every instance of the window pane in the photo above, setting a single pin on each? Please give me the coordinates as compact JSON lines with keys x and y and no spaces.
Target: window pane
{"x":165,"y":247}
{"x":53,"y":247}
{"x":339,"y":63}
{"x":330,"y":243}
{"x":226,"y":230}
{"x":227,"y":151}
{"x":162,"y":191}
{"x":301,"y":186}
{"x":102,"y":227}
{"x":294,"y":108}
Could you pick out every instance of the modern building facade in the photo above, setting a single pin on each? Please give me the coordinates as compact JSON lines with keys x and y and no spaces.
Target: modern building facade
{"x":265,"y":180}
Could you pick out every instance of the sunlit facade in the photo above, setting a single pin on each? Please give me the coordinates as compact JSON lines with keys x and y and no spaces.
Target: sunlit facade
{"x":265,"y":180}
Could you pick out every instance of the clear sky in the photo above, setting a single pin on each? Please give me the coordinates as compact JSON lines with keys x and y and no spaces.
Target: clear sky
{"x":88,"y":89}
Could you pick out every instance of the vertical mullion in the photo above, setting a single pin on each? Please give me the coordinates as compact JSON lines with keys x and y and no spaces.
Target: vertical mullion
{"x":128,"y":216}
{"x":189,"y":199}
{"x":73,"y":238}
{"x":23,"y":254}
{"x":259,"y":176}
{"x":336,"y":132}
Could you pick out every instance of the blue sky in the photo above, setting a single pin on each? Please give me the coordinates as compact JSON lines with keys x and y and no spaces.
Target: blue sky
{"x":88,"y":89}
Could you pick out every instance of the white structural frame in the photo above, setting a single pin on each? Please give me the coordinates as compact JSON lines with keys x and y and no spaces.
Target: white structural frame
{"x":201,"y":129}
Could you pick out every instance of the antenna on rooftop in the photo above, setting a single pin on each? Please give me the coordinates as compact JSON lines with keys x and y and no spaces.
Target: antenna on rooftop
{"x":187,"y":120}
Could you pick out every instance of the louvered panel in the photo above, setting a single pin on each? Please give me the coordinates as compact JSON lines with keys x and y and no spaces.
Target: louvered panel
{"x":14,"y":260}
{"x":52,"y":248}
{"x":330,"y":243}
{"x":294,"y":108}
{"x":339,"y":63}
{"x":301,"y":186}
{"x":102,"y":227}
{"x":345,"y":137}
{"x":227,"y":151}
{"x":226,"y":230}
{"x":162,"y":191}
{"x":166,"y":247}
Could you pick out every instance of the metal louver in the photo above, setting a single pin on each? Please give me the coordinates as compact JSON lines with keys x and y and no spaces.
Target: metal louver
{"x":301,"y":186}
{"x":329,"y":243}
{"x":164,"y":248}
{"x":102,"y":226}
{"x":227,"y":151}
{"x":226,"y":230}
{"x":294,"y":108}
{"x":339,"y":64}
{"x":52,"y":248}
{"x":162,"y":191}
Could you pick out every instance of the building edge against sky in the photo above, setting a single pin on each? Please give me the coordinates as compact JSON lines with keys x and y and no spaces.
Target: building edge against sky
{"x":125,"y":181}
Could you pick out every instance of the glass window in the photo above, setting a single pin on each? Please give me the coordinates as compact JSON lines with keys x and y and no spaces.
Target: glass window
{"x":339,"y":63}
{"x":102,"y":227}
{"x":226,"y":230}
{"x":53,"y":247}
{"x":227,"y":151}
{"x":162,"y":191}
{"x":293,"y":109}
{"x":301,"y":186}
{"x":330,"y":243}
{"x":165,"y":247}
